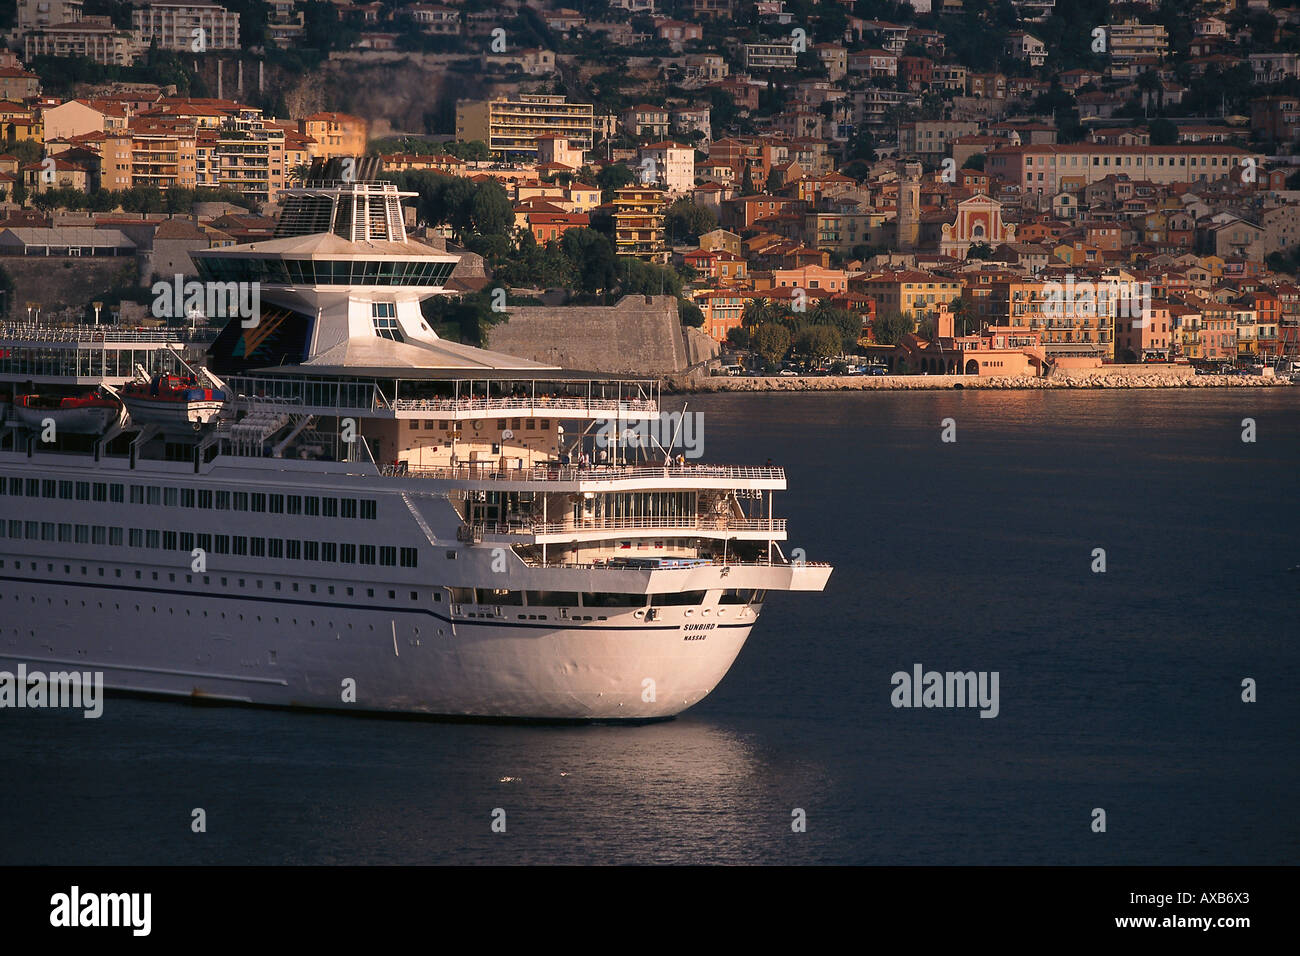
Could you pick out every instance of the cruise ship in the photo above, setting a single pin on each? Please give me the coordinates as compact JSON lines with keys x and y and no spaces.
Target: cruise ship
{"x":330,"y":506}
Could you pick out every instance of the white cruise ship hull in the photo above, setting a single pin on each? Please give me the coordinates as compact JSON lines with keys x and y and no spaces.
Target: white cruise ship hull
{"x":150,"y":642}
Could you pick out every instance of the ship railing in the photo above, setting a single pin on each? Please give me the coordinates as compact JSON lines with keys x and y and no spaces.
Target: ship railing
{"x":592,"y":473}
{"x":47,"y":333}
{"x":683,"y":522}
{"x":511,"y":404}
{"x":475,"y":532}
{"x":706,"y":562}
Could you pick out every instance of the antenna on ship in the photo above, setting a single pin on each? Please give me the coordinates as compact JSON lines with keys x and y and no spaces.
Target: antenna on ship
{"x":676,"y":431}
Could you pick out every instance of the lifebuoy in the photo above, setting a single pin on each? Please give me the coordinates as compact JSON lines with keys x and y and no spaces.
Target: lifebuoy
{"x":477,"y":425}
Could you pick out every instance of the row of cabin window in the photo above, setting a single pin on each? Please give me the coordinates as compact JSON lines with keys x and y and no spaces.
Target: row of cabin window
{"x":257,"y":547}
{"x":310,"y":505}
{"x":225,"y":582}
{"x":502,"y":424}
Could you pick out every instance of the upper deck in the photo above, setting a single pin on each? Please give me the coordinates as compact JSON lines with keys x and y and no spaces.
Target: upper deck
{"x":84,"y":355}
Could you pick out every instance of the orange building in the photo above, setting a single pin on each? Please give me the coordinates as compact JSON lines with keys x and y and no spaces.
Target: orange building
{"x":1072,"y":322}
{"x":336,"y":134}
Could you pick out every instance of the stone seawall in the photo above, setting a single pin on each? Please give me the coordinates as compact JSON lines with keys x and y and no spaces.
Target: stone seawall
{"x":1099,"y":379}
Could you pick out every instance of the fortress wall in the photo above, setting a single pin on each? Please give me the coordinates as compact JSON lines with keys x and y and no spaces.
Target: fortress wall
{"x":639,"y":334}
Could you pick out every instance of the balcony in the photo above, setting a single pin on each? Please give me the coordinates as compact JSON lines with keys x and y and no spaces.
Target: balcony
{"x":531,"y":407}
{"x":720,"y":476}
{"x":710,"y":526}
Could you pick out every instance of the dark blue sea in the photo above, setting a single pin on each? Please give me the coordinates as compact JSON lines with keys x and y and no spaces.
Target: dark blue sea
{"x":1119,"y":691}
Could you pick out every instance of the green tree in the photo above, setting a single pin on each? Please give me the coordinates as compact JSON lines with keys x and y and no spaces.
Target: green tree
{"x":491,"y":213}
{"x":466,"y":319}
{"x":684,"y":221}
{"x":890,"y":327}
{"x":690,"y":314}
{"x":819,"y":341}
{"x":847,"y":325}
{"x":1163,"y":132}
{"x":964,"y":319}
{"x":979,"y":250}
{"x":612,"y":177}
{"x":758,"y":311}
{"x":738,"y":337}
{"x":636,"y":277}
{"x":747,"y":182}
{"x":592,"y":255}
{"x":772,"y":341}
{"x":473,"y":151}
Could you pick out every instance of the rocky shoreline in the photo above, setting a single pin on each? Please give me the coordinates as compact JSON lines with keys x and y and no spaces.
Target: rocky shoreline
{"x":869,"y":383}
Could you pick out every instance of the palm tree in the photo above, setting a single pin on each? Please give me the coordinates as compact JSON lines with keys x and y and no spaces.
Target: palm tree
{"x":299,"y":173}
{"x":758,"y":311}
{"x":963,"y":316}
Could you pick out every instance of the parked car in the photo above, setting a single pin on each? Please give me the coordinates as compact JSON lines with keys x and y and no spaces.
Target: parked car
{"x":877,"y":370}
{"x":787,"y":372}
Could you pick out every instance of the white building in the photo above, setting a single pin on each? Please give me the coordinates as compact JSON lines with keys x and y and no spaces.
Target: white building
{"x":39,"y":14}
{"x":1026,"y":46}
{"x":175,"y":26}
{"x":672,"y":165}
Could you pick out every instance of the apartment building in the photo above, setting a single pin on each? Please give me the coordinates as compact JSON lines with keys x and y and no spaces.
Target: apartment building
{"x":79,"y":117}
{"x":92,"y":37}
{"x":1049,"y":169}
{"x":713,"y":9}
{"x":671,"y":164}
{"x":909,"y":292}
{"x":1132,"y":40}
{"x":723,"y":309}
{"x":770,"y":56}
{"x":1276,"y":118}
{"x":645,"y":120}
{"x":929,"y":139}
{"x":1275,"y":67}
{"x":39,"y":14}
{"x":336,"y":134}
{"x":1147,"y":337}
{"x":154,"y":152}
{"x":686,"y":120}
{"x":511,"y":126}
{"x":638,"y":216}
{"x":1073,"y":323}
{"x":180,"y":26}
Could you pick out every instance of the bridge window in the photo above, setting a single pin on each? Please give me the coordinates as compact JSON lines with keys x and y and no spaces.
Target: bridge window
{"x":384,"y":317}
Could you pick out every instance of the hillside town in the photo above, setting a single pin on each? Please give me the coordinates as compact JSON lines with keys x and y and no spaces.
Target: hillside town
{"x":946,"y":186}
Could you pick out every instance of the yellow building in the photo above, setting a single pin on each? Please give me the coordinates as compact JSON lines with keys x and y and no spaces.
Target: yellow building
{"x":1074,"y":319}
{"x":336,"y":134}
{"x":639,"y":223}
{"x":18,"y":123}
{"x":910,"y":293}
{"x":250,"y":157}
{"x":512,"y":127}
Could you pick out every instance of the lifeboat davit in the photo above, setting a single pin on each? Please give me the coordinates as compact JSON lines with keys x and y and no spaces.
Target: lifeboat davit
{"x":88,"y":414}
{"x":172,"y":401}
